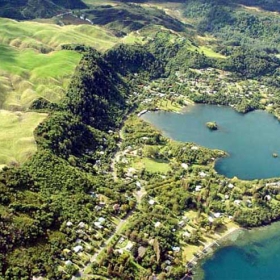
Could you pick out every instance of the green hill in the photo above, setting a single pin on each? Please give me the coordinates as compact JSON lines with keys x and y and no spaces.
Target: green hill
{"x":33,"y":64}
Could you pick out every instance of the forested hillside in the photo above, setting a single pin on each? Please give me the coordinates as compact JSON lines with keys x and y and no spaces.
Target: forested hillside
{"x":39,"y":198}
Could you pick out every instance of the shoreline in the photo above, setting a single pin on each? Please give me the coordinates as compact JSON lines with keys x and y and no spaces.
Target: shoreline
{"x":211,"y":247}
{"x":251,"y":235}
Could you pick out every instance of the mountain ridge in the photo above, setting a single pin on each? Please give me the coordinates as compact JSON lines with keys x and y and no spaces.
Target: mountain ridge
{"x":30,"y":9}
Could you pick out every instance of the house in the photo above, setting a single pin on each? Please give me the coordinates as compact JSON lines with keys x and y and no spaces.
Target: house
{"x":210,"y":219}
{"x":168,"y":268}
{"x":185,"y":166}
{"x":237,"y":202}
{"x":176,"y":249}
{"x":121,"y":240}
{"x":267,"y":197}
{"x":151,"y":202}
{"x":78,"y":249}
{"x":97,"y":208}
{"x":202,"y":174}
{"x":98,"y":225}
{"x":181,"y":223}
{"x":230,"y":185}
{"x":116,"y":207}
{"x":157,"y":224}
{"x":81,"y":225}
{"x":69,"y":224}
{"x":68,"y":262}
{"x":217,"y":215}
{"x":101,"y":220}
{"x":92,"y":194}
{"x":198,"y":188}
{"x":102,"y":204}
{"x":129,"y":246}
{"x":186,"y":234}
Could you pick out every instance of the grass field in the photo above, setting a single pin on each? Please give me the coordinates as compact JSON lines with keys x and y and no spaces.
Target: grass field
{"x":46,"y":36}
{"x":33,"y":64}
{"x":152,"y":165}
{"x":207,"y":51}
{"x":17,"y":142}
{"x":210,"y":53}
{"x":26,"y":75}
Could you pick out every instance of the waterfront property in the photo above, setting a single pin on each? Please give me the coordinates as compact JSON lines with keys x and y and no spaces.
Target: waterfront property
{"x":249,"y":139}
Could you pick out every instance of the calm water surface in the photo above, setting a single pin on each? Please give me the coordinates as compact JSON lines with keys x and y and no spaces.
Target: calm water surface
{"x":250,"y":139}
{"x":254,"y":255}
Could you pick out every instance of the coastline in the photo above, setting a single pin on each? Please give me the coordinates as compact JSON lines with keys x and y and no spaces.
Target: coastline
{"x":261,"y":242}
{"x":204,"y":249}
{"x":194,"y":265}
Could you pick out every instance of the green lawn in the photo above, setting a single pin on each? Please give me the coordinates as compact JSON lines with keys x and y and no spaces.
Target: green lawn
{"x":152,"y":165}
{"x":17,"y":142}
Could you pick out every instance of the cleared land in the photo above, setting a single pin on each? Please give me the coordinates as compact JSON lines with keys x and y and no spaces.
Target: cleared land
{"x":16,"y":136}
{"x":152,"y":165}
{"x":26,"y":75}
{"x":46,"y":37}
{"x":33,"y":64}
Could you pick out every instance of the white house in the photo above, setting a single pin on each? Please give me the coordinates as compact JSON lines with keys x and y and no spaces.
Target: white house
{"x":78,"y":249}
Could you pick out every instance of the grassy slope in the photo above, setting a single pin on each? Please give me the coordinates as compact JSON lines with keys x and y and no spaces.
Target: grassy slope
{"x":32,"y":63}
{"x":26,"y":75}
{"x":16,"y":136}
{"x":35,"y":35}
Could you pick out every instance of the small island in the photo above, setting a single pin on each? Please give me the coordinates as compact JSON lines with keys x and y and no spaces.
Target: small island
{"x":275,"y":155}
{"x":212,"y":125}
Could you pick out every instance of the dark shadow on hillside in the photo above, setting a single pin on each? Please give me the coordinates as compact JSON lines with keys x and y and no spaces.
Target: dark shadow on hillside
{"x":130,"y":17}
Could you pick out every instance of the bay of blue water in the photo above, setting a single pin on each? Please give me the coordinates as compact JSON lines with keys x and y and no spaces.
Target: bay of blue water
{"x":255,"y":255}
{"x":250,"y":139}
